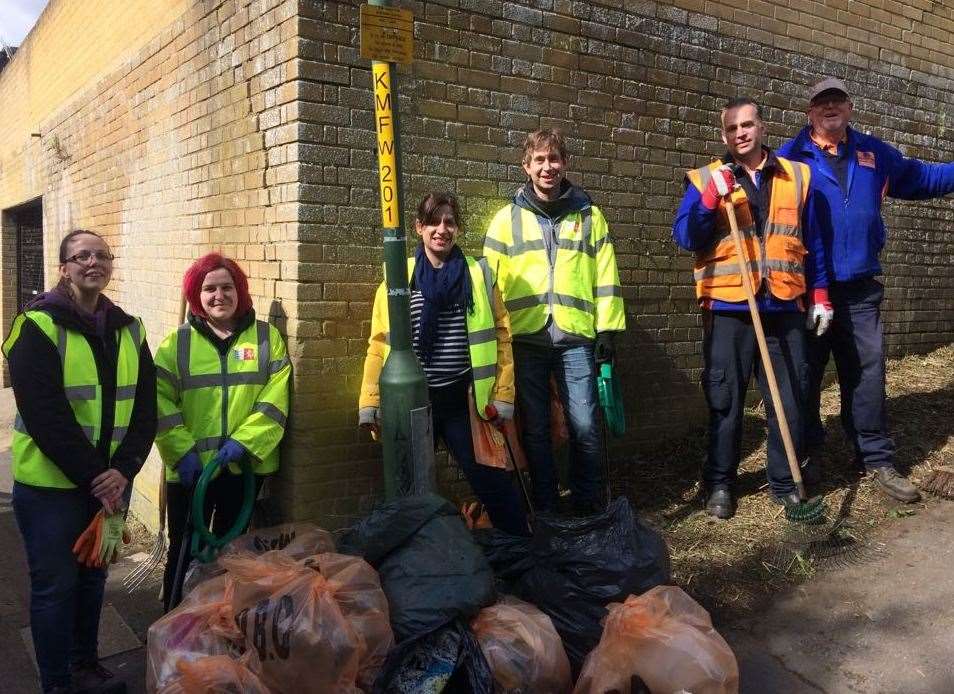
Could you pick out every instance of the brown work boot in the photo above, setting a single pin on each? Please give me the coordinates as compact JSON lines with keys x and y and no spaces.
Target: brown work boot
{"x":895,"y":485}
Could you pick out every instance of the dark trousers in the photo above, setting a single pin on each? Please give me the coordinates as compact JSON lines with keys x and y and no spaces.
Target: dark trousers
{"x":493,"y":486}
{"x":65,"y":597}
{"x":856,"y":340}
{"x":575,"y":374}
{"x":731,"y":356}
{"x":223,"y":502}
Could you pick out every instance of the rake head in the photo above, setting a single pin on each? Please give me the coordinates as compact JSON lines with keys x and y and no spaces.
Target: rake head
{"x":940,"y":482}
{"x":810,"y":512}
{"x":137,"y":576}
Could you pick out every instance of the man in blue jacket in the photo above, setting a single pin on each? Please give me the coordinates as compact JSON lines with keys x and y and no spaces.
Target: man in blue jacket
{"x":852,"y":173}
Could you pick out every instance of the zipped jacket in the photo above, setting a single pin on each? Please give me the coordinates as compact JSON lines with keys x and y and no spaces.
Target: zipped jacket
{"x":85,"y":392}
{"x":209,"y":392}
{"x":849,"y":222}
{"x":564,"y":269}
{"x":488,"y":332}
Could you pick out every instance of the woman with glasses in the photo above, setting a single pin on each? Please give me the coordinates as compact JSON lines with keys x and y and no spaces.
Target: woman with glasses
{"x":461,"y":335}
{"x":85,"y":388}
{"x":223,"y":396}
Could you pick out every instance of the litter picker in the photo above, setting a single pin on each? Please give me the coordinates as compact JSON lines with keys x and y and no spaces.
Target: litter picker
{"x":491,"y":413}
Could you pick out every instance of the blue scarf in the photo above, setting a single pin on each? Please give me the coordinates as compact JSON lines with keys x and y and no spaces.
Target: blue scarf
{"x":443,"y":288}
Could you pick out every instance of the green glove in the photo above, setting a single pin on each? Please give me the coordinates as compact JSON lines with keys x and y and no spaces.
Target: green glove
{"x":112,"y":536}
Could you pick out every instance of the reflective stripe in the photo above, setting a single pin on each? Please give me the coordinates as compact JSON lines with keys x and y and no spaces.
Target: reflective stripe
{"x":722,"y":270}
{"x":798,"y":185}
{"x":488,"y":282}
{"x":785,"y":266}
{"x":481,"y":336}
{"x":587,"y":225}
{"x":119,"y":433}
{"x":168,"y":377}
{"x":611,"y":290}
{"x":705,"y":175}
{"x":598,"y":246}
{"x":80,"y":392}
{"x":526,"y":302}
{"x":135,"y":330}
{"x":576,"y":246}
{"x":208,"y":444}
{"x":275,"y":366}
{"x":264,"y":352}
{"x":183,"y":346}
{"x":516,"y":229}
{"x":126,"y":392}
{"x":170,"y":421}
{"x":526,"y":247}
{"x":270,"y":411}
{"x":247,"y":378}
{"x":489,"y":371}
{"x":496,"y":245}
{"x":20,"y":427}
{"x":61,"y":346}
{"x":776,"y":229}
{"x":573,"y":302}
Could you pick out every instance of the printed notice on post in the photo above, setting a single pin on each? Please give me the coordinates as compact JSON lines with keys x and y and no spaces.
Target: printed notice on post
{"x":387,"y":34}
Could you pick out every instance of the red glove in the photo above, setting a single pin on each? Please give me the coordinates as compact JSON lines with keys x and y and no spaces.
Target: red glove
{"x":720,"y":185}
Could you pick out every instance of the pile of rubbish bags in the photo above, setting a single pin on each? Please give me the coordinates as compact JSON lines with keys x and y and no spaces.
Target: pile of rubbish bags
{"x":411,"y":601}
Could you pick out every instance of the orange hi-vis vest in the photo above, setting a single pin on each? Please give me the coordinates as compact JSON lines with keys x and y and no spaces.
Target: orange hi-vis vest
{"x":777,"y":258}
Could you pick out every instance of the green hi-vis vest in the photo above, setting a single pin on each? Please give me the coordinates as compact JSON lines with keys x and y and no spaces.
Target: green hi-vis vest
{"x":481,"y":330}
{"x":205,"y":397}
{"x":579,"y":287}
{"x":83,"y":391}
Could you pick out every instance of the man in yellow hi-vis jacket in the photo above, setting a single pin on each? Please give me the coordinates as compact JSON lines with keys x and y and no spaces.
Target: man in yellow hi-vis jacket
{"x":556,"y":266}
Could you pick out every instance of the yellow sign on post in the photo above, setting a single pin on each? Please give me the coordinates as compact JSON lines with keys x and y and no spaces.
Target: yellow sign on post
{"x":387,"y":34}
{"x":387,"y":153}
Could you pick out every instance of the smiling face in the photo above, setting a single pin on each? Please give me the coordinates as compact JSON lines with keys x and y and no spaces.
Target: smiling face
{"x":545,"y":168}
{"x":830,"y":112}
{"x":743,"y":132}
{"x":439,"y":234}
{"x":88,"y":265}
{"x":219,"y":297}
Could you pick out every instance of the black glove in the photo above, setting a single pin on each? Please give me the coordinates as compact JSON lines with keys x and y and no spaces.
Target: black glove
{"x":604,"y":349}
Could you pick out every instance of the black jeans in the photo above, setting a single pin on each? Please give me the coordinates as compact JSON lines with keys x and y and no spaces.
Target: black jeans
{"x":856,"y":339}
{"x":493,"y":486}
{"x":223,"y":501}
{"x":731,"y":356}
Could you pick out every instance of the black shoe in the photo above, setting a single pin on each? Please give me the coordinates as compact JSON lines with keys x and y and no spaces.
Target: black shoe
{"x":895,"y":485}
{"x":719,"y":503}
{"x":790,"y":499}
{"x":96,"y":679}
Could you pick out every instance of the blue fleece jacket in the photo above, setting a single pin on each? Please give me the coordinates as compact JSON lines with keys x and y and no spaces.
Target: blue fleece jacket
{"x":693,"y":230}
{"x":849,"y":223}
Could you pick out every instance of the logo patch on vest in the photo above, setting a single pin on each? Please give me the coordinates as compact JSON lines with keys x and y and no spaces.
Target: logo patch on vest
{"x":866,"y":159}
{"x":244,"y":353}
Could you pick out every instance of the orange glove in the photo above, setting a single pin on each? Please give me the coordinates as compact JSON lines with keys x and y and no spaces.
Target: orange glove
{"x":86,"y":547}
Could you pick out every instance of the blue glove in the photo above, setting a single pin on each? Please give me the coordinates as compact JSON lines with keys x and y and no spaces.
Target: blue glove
{"x":189,"y":468}
{"x":231,"y":452}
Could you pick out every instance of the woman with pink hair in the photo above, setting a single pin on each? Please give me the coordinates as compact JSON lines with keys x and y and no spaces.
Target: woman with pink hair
{"x":222,"y":388}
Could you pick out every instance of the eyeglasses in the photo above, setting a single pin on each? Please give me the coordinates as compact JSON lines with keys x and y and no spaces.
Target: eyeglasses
{"x":85,"y":256}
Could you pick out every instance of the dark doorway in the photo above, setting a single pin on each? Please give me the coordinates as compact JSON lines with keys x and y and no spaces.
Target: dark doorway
{"x":29,"y":224}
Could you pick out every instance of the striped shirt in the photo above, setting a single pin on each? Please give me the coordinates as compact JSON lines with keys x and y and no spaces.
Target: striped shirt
{"x":450,"y":356}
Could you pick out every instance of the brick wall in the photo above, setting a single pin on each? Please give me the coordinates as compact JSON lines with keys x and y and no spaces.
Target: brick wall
{"x":248,"y":126}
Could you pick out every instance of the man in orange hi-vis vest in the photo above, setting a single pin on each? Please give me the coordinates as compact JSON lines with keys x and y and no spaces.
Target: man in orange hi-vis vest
{"x":773,"y":200}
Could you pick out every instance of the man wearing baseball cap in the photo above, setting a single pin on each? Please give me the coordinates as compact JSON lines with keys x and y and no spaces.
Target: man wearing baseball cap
{"x":853,"y":172}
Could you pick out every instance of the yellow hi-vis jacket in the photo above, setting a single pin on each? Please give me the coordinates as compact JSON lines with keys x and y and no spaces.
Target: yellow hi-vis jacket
{"x":83,"y":391}
{"x":205,"y":397}
{"x":581,"y":290}
{"x":488,"y":332}
{"x":778,"y":257}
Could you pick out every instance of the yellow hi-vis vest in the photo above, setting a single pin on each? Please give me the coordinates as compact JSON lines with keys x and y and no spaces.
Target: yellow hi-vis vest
{"x":205,"y":397}
{"x":83,"y":391}
{"x":581,"y":289}
{"x":778,"y":258}
{"x":481,"y":335}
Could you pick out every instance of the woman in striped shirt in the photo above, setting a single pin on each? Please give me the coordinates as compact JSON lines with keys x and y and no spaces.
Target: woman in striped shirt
{"x":461,"y":335}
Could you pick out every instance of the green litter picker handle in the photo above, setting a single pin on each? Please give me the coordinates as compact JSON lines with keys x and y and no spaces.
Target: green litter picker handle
{"x":611,"y":400}
{"x":205,"y":545}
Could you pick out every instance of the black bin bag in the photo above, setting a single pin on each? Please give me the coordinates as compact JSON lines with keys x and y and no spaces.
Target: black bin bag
{"x":572,"y":568}
{"x":431,"y":570}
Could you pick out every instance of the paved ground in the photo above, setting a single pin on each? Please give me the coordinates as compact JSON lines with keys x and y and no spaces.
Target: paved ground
{"x":882,"y":626}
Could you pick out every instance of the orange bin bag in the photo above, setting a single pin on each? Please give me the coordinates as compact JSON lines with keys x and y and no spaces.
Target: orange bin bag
{"x":522,"y":648}
{"x":289,"y":613}
{"x":200,"y":626}
{"x":667,"y":639}
{"x":217,"y":674}
{"x":488,"y":440}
